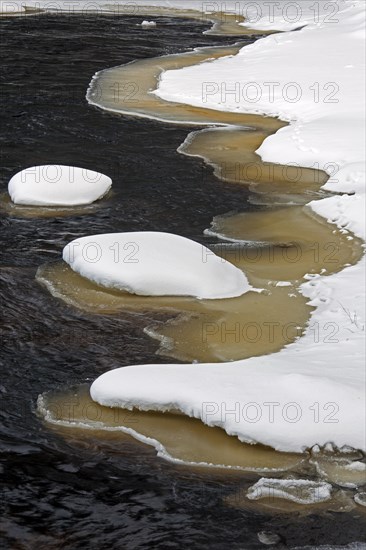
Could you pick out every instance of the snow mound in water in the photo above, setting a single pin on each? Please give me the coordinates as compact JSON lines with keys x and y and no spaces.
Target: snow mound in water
{"x":155,"y":264}
{"x":57,"y":185}
{"x":300,"y":491}
{"x":148,"y":24}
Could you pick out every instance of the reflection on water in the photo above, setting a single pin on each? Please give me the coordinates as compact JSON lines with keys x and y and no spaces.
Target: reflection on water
{"x":8,"y":207}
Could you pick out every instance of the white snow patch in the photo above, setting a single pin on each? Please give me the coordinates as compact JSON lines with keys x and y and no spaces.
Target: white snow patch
{"x":57,"y":185}
{"x":283,"y":15}
{"x":301,"y":491}
{"x":155,"y":264}
{"x":357,"y":466}
{"x":148,"y":24}
{"x":360,"y":498}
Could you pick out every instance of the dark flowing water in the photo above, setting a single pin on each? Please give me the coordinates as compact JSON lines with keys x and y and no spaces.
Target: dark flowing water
{"x":63,"y":493}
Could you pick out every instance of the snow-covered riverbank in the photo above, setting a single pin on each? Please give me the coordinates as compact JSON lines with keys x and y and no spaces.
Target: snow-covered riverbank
{"x":312,"y":392}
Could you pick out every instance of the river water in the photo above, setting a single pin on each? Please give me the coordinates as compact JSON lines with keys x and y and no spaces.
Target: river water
{"x":77,"y":492}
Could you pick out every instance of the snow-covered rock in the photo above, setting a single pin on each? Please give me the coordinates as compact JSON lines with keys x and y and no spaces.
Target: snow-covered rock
{"x":57,"y":185}
{"x":148,"y":24}
{"x":154,"y":264}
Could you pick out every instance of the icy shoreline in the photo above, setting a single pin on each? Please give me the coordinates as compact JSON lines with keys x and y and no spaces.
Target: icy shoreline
{"x":320,"y":378}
